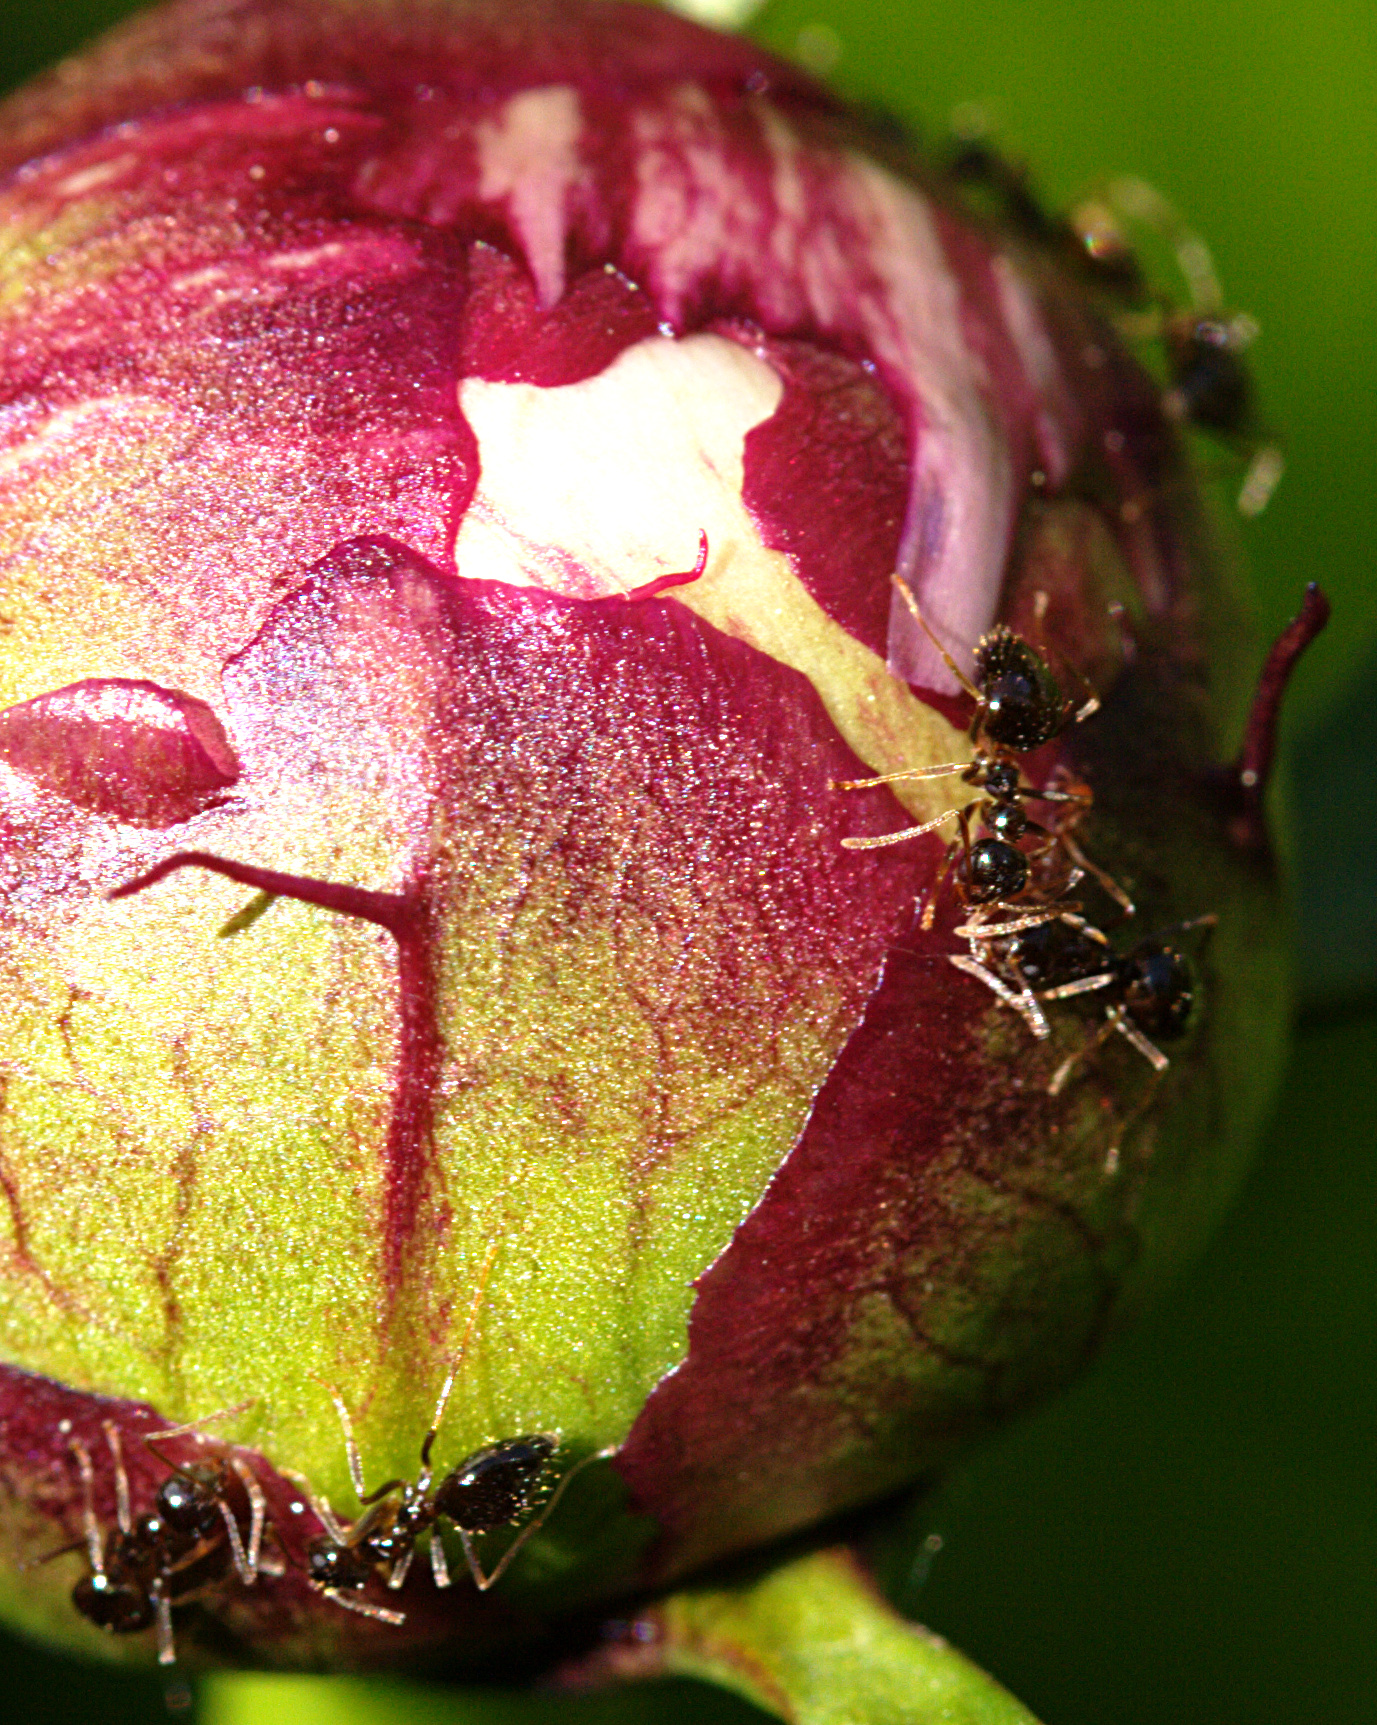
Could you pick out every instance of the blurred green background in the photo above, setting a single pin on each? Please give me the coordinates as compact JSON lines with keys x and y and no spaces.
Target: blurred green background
{"x":1187,"y":1537}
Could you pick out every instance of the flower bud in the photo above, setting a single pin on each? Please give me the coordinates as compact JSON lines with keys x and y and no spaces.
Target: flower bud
{"x":455,"y":458}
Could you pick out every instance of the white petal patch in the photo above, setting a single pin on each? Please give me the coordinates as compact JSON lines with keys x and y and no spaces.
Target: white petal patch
{"x":528,"y":156}
{"x":849,"y":247}
{"x":594,"y":489}
{"x":597,"y":487}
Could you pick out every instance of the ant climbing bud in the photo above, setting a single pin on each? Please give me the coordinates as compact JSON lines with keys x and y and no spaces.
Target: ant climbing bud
{"x":607,"y":732}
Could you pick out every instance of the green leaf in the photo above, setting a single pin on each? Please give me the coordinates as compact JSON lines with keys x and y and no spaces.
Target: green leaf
{"x":812,"y":1642}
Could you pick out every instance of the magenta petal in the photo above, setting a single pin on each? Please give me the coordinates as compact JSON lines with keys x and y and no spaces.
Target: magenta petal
{"x":126,"y":750}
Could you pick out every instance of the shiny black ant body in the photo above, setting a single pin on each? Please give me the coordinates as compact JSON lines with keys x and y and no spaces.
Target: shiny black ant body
{"x":1019,"y":706}
{"x":144,"y":1567}
{"x":1148,"y":993}
{"x":486,"y":1492}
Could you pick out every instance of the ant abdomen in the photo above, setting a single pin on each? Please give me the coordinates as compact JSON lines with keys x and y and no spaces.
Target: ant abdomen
{"x":490,"y":1488}
{"x":1021,"y":706}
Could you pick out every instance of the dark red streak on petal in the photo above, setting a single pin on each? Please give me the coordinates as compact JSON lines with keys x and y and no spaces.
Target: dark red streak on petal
{"x":410,"y":1149}
{"x":680,"y":578}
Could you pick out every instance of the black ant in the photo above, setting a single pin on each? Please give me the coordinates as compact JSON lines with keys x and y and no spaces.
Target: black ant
{"x":487,"y":1491}
{"x":144,"y":1567}
{"x":1088,"y":242}
{"x":1209,"y":384}
{"x":1019,"y":706}
{"x":1148,"y":992}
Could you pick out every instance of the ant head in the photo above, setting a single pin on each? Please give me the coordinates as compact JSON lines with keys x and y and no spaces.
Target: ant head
{"x":490,"y":1488}
{"x":330,"y":1564}
{"x":1158,"y":989}
{"x":1021,"y":704}
{"x":122,"y":1607}
{"x":188,"y":1499}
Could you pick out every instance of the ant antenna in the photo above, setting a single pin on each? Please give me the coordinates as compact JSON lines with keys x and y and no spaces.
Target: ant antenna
{"x":906,"y":594}
{"x":877,"y":841}
{"x":320,"y":1505}
{"x":484,"y":1273}
{"x":162,"y":1609}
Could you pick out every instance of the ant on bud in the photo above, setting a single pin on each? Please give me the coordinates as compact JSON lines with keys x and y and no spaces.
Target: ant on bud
{"x":1019,"y":706}
{"x":1149,"y":993}
{"x":1209,"y":385}
{"x":145,"y":1566}
{"x":489,"y":1490}
{"x":1204,"y":346}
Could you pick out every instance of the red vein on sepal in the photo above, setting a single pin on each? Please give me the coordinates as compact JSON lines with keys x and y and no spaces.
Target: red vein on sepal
{"x":410,"y":1144}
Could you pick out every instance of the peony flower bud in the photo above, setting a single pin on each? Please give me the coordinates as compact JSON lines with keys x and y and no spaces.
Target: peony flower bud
{"x":455,"y":457}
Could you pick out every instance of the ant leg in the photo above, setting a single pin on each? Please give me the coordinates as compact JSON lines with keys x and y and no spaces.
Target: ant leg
{"x":1025,"y":1005}
{"x":167,"y":1647}
{"x":379,"y":1613}
{"x":983,"y":932}
{"x":95,"y":1546}
{"x":929,"y":915}
{"x":1086,"y":985}
{"x":1064,"y":1071}
{"x":1135,"y":1038}
{"x":1091,"y":703}
{"x":1261,"y":479}
{"x":122,"y":1515}
{"x":484,"y":1582}
{"x":950,"y":770}
{"x":397,"y":1578}
{"x":246,"y":1571}
{"x":1209,"y":920}
{"x":439,"y":1564}
{"x":1083,"y":798}
{"x":1106,"y":880}
{"x":906,"y":594}
{"x":258,"y":1510}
